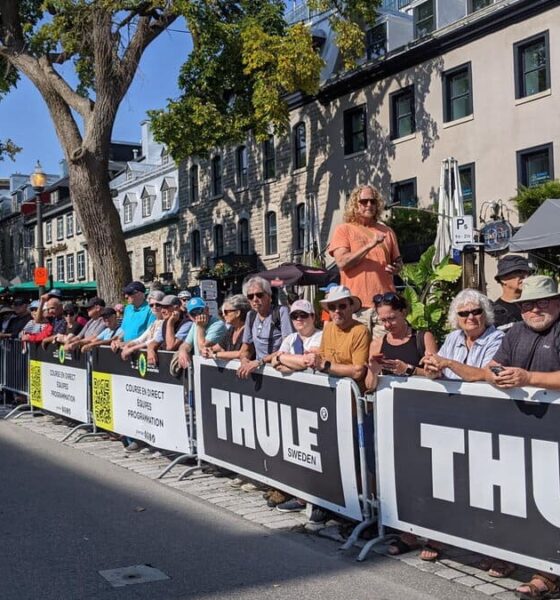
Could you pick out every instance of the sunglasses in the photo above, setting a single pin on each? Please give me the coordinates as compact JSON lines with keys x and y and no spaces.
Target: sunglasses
{"x":299,"y":315}
{"x":385,"y":298}
{"x":226,"y":311}
{"x":475,"y":312}
{"x":366,"y":201}
{"x":530,"y":304}
{"x":258,"y":295}
{"x":69,"y":314}
{"x":195,"y":312}
{"x":155,"y":305}
{"x":339,"y":306}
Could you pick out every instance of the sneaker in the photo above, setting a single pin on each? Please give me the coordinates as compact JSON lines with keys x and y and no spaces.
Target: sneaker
{"x":293,"y":505}
{"x":318,"y":515}
{"x":157,"y":454}
{"x":132,"y":447}
{"x":237,"y":482}
{"x":146,"y":450}
{"x":251,"y":486}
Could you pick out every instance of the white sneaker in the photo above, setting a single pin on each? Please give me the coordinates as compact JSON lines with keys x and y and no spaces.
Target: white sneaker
{"x":237,"y":482}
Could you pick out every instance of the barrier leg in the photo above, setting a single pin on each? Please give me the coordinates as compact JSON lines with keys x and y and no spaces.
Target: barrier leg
{"x":190,"y":471}
{"x":176,"y":461}
{"x":77,"y":428}
{"x":367,"y":513}
{"x":18,"y":409}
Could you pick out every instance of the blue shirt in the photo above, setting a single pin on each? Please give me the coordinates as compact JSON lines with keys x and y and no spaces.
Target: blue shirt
{"x":481,"y":353}
{"x":108,"y":334}
{"x":214,"y":333}
{"x":136,"y":320}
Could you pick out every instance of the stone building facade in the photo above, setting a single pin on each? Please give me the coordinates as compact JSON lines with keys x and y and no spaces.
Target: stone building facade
{"x":467,"y":79}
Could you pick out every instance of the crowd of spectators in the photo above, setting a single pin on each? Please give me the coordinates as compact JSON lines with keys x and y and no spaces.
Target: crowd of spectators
{"x":511,"y":342}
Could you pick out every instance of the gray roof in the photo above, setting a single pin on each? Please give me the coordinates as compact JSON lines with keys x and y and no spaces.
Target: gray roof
{"x":541,"y":230}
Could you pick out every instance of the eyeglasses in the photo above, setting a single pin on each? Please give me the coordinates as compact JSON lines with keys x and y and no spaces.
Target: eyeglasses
{"x":226,"y":311}
{"x":258,"y":295}
{"x":530,"y":304}
{"x":366,"y":201}
{"x":195,"y":312}
{"x":69,"y":314}
{"x":299,"y":315}
{"x":475,"y":312}
{"x":385,"y":298}
{"x":339,"y":306}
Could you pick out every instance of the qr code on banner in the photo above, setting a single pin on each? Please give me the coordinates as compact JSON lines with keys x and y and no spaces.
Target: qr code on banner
{"x":35,"y":389}
{"x":103,"y":400}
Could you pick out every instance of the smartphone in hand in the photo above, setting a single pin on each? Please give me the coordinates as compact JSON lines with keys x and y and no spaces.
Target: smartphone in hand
{"x":497,"y":369}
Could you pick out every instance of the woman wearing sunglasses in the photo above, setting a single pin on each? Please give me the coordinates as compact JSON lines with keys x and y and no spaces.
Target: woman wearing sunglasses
{"x":234,"y":309}
{"x":306,"y":339}
{"x":472,"y":344}
{"x":400,"y":350}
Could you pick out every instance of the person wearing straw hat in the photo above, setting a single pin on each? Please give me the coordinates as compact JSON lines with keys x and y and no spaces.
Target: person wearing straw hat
{"x":366,"y":252}
{"x":344,"y":348}
{"x":530,"y":355}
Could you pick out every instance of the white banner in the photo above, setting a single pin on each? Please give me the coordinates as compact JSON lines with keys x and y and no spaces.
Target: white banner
{"x":58,"y":382}
{"x":140,"y":401}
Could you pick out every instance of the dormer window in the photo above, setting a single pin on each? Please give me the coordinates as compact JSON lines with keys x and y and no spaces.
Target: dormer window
{"x":376,"y":41}
{"x":165,"y":158}
{"x":129,"y":175}
{"x":129,"y":204}
{"x":148,"y":197}
{"x":424,"y":18}
{"x":168,"y":191}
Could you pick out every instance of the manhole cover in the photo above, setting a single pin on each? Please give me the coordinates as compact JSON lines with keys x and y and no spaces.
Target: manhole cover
{"x":132,"y":575}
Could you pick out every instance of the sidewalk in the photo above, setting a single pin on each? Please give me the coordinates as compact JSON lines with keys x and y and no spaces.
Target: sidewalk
{"x":456,"y":565}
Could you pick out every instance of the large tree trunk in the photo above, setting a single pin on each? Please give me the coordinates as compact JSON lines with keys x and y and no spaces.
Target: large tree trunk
{"x":91,"y":196}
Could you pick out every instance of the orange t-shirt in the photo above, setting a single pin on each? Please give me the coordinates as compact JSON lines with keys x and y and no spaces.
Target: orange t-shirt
{"x":369,"y":276}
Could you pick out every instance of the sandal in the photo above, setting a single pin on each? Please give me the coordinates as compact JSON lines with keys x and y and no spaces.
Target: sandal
{"x":536,"y":592}
{"x":401,"y":547}
{"x":430,"y":553}
{"x":500,"y":569}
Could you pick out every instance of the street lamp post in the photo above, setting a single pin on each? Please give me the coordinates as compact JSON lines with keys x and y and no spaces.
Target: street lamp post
{"x":38,"y":182}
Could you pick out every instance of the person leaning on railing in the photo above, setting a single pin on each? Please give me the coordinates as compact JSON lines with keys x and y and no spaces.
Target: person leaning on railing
{"x":471,"y":346}
{"x":15,"y":322}
{"x":235,"y":309}
{"x":142,"y":341}
{"x":400,"y":351}
{"x":530,"y":355}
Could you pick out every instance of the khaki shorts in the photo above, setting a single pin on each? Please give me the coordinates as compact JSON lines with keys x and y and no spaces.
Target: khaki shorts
{"x":368,"y":317}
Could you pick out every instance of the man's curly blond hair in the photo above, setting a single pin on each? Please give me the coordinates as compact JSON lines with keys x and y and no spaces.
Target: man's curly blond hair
{"x":351,"y":210}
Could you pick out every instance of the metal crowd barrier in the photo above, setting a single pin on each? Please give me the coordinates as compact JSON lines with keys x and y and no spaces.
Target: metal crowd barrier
{"x":14,"y":367}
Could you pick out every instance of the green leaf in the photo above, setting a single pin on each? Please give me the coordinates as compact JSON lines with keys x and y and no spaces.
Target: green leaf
{"x":449,"y":273}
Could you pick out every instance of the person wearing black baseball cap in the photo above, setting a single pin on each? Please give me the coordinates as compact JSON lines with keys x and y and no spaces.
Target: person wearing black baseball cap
{"x":92,"y":328}
{"x":512,"y":270}
{"x":111,"y":323}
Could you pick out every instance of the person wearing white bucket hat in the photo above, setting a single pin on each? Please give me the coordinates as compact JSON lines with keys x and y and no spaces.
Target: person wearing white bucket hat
{"x":345,"y":343}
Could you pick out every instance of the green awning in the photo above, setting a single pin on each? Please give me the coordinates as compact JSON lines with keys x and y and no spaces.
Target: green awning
{"x":29,"y":287}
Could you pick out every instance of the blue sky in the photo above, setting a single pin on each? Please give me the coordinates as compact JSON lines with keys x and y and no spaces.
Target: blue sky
{"x":25,"y":119}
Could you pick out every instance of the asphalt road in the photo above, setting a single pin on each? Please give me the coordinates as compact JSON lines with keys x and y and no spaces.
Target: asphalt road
{"x":65,"y":515}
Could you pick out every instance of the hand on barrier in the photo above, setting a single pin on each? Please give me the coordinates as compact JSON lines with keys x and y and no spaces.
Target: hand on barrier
{"x":311,"y":359}
{"x":151,"y":356}
{"x":184,"y":358}
{"x":510,"y":377}
{"x":247,"y":367}
{"x":433,"y":365}
{"x":116,"y":345}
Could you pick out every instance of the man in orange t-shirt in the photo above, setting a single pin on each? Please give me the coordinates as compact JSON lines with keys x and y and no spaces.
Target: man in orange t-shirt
{"x":365,"y":251}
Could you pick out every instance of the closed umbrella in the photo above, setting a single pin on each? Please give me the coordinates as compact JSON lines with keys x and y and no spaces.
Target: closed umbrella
{"x":450,"y":204}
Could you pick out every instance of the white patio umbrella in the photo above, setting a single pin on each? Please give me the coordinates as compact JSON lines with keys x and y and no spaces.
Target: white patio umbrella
{"x":450,"y":204}
{"x":312,"y":242}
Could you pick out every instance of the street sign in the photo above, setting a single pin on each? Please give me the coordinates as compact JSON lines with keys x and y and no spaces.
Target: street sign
{"x":496,"y":235}
{"x":462,"y":231}
{"x":209,"y":289}
{"x":40,"y":276}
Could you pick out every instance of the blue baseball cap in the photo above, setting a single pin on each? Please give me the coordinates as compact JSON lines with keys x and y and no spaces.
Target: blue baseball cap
{"x":195,"y":303}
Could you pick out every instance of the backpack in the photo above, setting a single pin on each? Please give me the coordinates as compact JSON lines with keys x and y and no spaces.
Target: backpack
{"x":276,"y":324}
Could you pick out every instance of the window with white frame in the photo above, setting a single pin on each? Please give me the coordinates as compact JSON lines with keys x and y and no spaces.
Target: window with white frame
{"x":60,"y":228}
{"x":128,"y":210}
{"x":78,"y":227}
{"x":60,"y":268}
{"x":48,"y":265}
{"x":54,"y":197}
{"x":69,"y":225}
{"x":48,"y":232}
{"x":70,"y":267}
{"x":147,"y":202}
{"x":168,"y":191}
{"x":81,"y":264}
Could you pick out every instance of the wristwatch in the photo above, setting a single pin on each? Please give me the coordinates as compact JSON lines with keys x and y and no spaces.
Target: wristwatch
{"x":261,"y":362}
{"x":326,"y":368}
{"x":410,"y":370}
